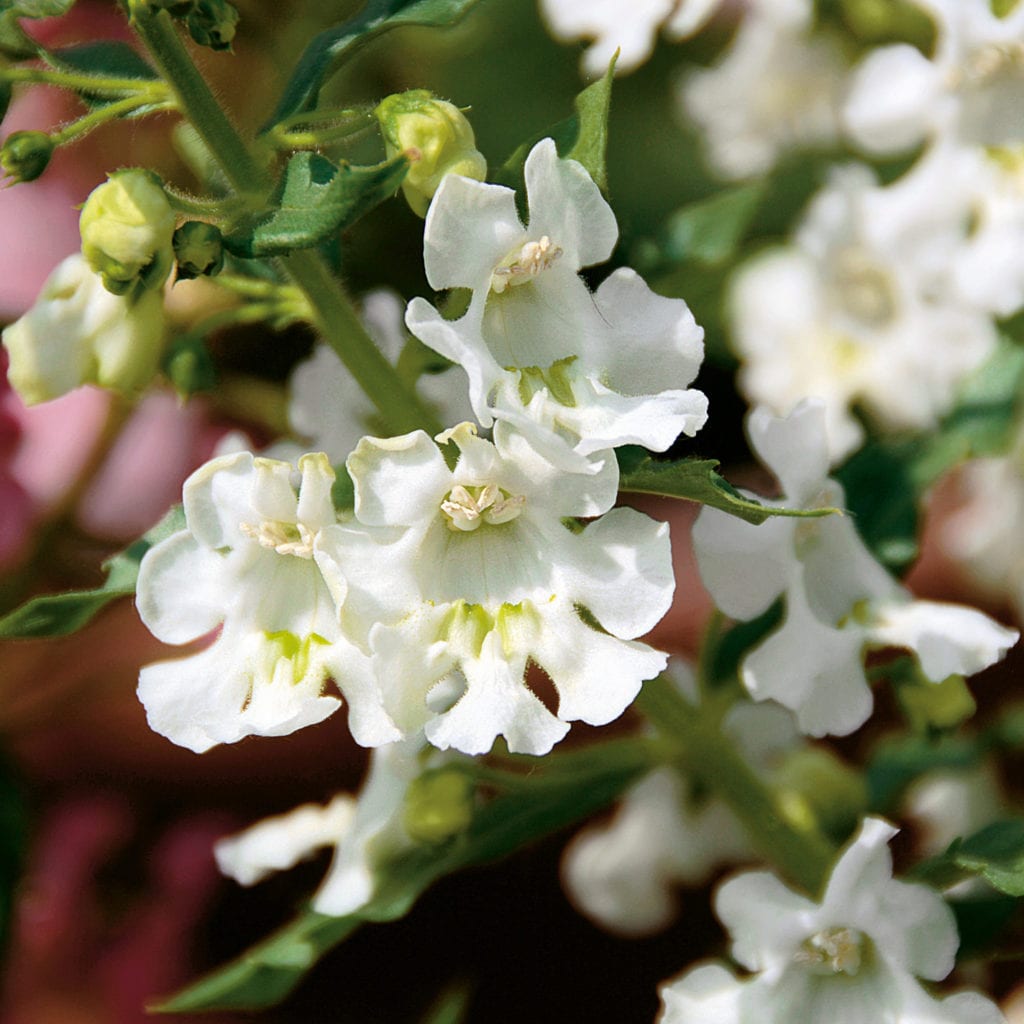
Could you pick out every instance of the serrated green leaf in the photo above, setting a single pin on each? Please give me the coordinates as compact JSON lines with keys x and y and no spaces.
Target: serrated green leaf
{"x":313,"y":202}
{"x":886,"y":479}
{"x":709,"y":231}
{"x":51,"y":615}
{"x":569,"y":786}
{"x":698,"y":480}
{"x":327,"y":51}
{"x":582,"y":137}
{"x":997,"y":854}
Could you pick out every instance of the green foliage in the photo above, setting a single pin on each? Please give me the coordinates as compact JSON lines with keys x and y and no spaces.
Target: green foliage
{"x":886,"y":479}
{"x":313,"y":202}
{"x":996,"y":853}
{"x":710,"y":231}
{"x":898,"y":762}
{"x":558,"y":791}
{"x":697,"y":480}
{"x":582,"y":137}
{"x":325,"y":54}
{"x":53,"y":615}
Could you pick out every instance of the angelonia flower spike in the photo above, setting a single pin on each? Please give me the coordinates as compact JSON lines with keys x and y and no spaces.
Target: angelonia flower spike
{"x":538,"y":463}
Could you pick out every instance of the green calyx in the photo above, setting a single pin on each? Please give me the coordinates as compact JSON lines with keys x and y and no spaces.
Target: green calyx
{"x":198,"y":250}
{"x":554,"y":378}
{"x":25,"y":155}
{"x":438,"y":806}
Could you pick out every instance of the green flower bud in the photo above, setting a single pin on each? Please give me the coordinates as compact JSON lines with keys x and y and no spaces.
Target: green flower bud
{"x":78,"y":333}
{"x":198,"y":249}
{"x":438,"y":806}
{"x":937,"y":706}
{"x":24,"y":155}
{"x":816,"y":789}
{"x":437,"y":139}
{"x":188,"y":366}
{"x":212,"y":23}
{"x":127,"y":226}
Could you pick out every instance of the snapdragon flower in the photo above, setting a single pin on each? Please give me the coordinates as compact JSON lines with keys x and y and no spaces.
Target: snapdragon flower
{"x":839,"y":601}
{"x":777,"y":87}
{"x":969,"y":90}
{"x":461,"y":578}
{"x":863,"y":307}
{"x":577,"y":372}
{"x":249,"y":562}
{"x":627,"y":27}
{"x":855,"y":956}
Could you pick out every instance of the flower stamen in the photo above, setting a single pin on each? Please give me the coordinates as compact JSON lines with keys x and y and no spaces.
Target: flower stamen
{"x":284,"y":538}
{"x":833,"y":951}
{"x":468,"y":507}
{"x":526,"y":264}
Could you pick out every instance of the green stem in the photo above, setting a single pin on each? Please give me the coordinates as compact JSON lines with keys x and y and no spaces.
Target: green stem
{"x":101,"y":115}
{"x":804,"y":857}
{"x":87,"y":83}
{"x":332,"y":310}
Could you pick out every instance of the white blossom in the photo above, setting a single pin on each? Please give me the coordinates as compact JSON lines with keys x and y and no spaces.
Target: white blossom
{"x":855,"y":956}
{"x":462,"y":577}
{"x":777,"y":87}
{"x":624,"y":874}
{"x":629,"y":28}
{"x":577,"y":372}
{"x":839,"y":601}
{"x":248,"y":563}
{"x":969,"y":90}
{"x":862,"y":308}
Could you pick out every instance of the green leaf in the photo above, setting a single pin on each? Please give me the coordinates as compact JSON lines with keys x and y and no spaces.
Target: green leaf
{"x":562,"y":789}
{"x":313,"y":202}
{"x":710,"y":231}
{"x":997,"y":854}
{"x":886,"y":479}
{"x":105,"y":59}
{"x":325,"y":54}
{"x":897,"y":763}
{"x":582,"y":137}
{"x":61,"y":614}
{"x":697,"y":480}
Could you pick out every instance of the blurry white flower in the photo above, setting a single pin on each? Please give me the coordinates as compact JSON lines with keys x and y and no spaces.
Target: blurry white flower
{"x":79,"y":333}
{"x":838,"y":600}
{"x":577,"y":372}
{"x":624,"y":874}
{"x":969,"y":91}
{"x":855,"y":956}
{"x":862,"y":307}
{"x":629,"y":27}
{"x":462,"y":577}
{"x":777,"y":87}
{"x":248,"y":562}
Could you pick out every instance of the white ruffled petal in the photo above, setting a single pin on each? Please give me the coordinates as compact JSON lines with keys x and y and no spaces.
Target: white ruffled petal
{"x":794,"y":448}
{"x":704,"y":995}
{"x":217,"y":500}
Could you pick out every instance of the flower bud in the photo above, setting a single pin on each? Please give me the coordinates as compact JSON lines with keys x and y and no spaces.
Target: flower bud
{"x":212,"y":23}
{"x":127,"y":225}
{"x":815,"y":788}
{"x":438,"y":806}
{"x":79,"y":333}
{"x":936,"y":707}
{"x":198,"y":249}
{"x":436,"y":138}
{"x":188,"y":366}
{"x":24,"y":155}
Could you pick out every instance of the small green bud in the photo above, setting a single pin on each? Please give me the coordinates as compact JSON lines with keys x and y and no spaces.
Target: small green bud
{"x":24,"y":155}
{"x":198,"y":249}
{"x":438,"y":806}
{"x":436,"y":138}
{"x":188,"y":366}
{"x":127,"y":226}
{"x":937,"y":706}
{"x":212,"y":23}
{"x":815,"y":788}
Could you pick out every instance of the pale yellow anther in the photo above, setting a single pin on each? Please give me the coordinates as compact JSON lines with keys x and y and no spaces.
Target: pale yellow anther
{"x":285,"y":538}
{"x":522,"y":266}
{"x":466,"y":510}
{"x":987,"y":63}
{"x":833,"y":951}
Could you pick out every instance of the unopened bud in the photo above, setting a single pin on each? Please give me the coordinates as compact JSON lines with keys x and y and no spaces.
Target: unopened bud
{"x":438,"y":806}
{"x":24,"y":155}
{"x":816,"y":788}
{"x":937,"y":707}
{"x":127,"y":225}
{"x":212,"y":23}
{"x":436,"y":138}
{"x":188,"y":366}
{"x":198,"y":249}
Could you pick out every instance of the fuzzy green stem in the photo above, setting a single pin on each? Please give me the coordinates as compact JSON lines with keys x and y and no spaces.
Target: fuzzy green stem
{"x":94,"y":84}
{"x":332,"y":310}
{"x":101,"y":115}
{"x":803,"y":857}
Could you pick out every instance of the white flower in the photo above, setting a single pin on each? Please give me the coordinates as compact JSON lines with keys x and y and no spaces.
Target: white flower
{"x":79,"y":333}
{"x":855,"y":956}
{"x":364,"y":831}
{"x":627,"y":27}
{"x":623,"y":874}
{"x":862,"y":308}
{"x":970,"y":90}
{"x":577,"y":372}
{"x":248,"y":562}
{"x":838,"y":600}
{"x":470,"y":574}
{"x":777,"y":87}
{"x":328,"y":408}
